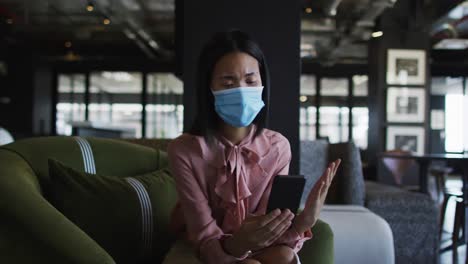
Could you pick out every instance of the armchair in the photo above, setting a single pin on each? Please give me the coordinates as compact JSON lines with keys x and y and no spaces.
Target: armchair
{"x":413,"y":217}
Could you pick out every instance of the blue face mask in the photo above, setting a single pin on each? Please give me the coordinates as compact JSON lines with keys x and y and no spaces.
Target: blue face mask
{"x":239,"y":106}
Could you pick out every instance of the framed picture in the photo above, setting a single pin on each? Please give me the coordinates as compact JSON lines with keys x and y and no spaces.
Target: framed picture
{"x":406,"y":104}
{"x":408,"y":138}
{"x":406,"y":67}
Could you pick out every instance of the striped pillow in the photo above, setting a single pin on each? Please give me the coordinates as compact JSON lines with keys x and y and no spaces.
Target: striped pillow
{"x":123,"y":215}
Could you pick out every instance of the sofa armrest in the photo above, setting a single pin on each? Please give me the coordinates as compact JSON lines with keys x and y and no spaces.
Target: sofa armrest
{"x":23,"y":207}
{"x":318,"y":249}
{"x":413,"y":218}
{"x":361,"y":236}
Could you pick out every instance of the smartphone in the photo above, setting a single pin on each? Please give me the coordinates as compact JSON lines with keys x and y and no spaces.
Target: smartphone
{"x":286,"y":193}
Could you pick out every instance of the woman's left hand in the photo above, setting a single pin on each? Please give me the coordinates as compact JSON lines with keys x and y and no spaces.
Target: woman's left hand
{"x":316,"y":199}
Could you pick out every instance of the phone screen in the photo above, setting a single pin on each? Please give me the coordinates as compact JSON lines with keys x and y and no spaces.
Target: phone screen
{"x":286,"y":193}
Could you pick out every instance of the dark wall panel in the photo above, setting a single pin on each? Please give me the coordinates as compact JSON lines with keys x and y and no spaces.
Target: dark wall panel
{"x":403,"y":28}
{"x":276,"y":26}
{"x":16,"y":91}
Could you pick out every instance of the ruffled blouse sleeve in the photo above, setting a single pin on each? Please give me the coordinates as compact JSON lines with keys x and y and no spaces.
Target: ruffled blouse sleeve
{"x":201,"y":227}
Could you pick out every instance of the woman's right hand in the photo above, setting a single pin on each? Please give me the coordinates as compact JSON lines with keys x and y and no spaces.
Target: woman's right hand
{"x":258,"y":232}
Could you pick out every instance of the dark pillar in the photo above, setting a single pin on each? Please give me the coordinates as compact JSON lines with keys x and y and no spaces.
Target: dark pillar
{"x":42,"y":100}
{"x":275,"y":25}
{"x":403,"y":28}
{"x":16,"y":106}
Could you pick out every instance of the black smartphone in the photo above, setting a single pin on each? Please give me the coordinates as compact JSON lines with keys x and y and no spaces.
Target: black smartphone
{"x":286,"y":193}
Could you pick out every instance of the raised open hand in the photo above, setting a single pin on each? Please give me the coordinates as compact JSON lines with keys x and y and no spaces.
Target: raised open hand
{"x":316,"y":198}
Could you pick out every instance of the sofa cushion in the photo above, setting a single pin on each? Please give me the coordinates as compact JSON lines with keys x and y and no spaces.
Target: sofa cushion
{"x":127,"y":216}
{"x":313,"y":161}
{"x":348,"y":185}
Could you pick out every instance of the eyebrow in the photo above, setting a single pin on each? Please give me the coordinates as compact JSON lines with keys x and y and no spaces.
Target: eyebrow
{"x":230,"y":76}
{"x":251,"y":74}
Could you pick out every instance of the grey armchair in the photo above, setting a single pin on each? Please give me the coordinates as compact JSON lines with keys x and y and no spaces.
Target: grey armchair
{"x":413,"y":217}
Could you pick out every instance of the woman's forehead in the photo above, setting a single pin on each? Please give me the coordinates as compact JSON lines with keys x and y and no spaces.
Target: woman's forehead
{"x":236,"y":63}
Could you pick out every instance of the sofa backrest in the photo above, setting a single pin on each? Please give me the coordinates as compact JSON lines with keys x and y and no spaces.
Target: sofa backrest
{"x":348,"y":185}
{"x":102,"y":156}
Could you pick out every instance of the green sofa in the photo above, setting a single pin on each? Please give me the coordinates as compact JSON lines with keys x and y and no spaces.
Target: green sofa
{"x":33,"y":231}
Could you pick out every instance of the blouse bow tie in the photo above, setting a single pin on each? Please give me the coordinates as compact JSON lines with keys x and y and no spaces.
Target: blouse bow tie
{"x":232,"y":185}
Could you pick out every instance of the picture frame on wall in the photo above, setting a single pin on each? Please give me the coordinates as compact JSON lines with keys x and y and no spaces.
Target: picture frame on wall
{"x":407,"y":138}
{"x":406,"y":67}
{"x":406,"y":105}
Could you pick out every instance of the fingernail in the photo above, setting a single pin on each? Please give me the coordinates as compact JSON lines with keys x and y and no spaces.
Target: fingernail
{"x":277,"y":211}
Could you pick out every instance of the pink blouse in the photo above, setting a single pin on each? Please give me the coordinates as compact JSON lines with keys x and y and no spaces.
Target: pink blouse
{"x":221,"y":186}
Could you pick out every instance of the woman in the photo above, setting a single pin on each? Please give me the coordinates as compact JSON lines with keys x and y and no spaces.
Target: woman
{"x":225,"y":165}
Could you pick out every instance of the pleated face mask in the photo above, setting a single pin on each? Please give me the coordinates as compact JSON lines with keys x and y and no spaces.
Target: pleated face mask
{"x":239,"y":106}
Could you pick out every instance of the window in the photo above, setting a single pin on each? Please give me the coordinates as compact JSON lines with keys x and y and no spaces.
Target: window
{"x":337,"y":106}
{"x":334,"y":123}
{"x":360,"y":110}
{"x":308,"y":85}
{"x":465,"y":115}
{"x":360,"y":85}
{"x":308,"y":111}
{"x":452,"y":93}
{"x":360,"y":126}
{"x":307,"y":122}
{"x":70,"y":106}
{"x":456,"y":138}
{"x":164,"y":109}
{"x":115,"y":101}
{"x":334,"y":87}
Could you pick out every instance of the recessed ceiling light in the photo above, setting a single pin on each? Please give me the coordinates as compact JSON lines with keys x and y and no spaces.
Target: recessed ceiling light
{"x":308,"y":10}
{"x":90,"y":7}
{"x":68,"y":44}
{"x":377,"y":34}
{"x":106,"y":21}
{"x":154,"y":44}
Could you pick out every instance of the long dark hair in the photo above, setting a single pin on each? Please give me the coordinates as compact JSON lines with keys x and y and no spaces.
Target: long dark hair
{"x":207,"y":121}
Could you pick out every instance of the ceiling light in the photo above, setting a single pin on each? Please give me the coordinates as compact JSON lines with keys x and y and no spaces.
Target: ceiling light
{"x":377,"y":34}
{"x":303,"y":98}
{"x":68,"y":44}
{"x":70,"y":56}
{"x":308,"y":10}
{"x":154,"y":44}
{"x":106,"y":21}
{"x":90,"y":7}
{"x":452,"y":44}
{"x":9,"y":21}
{"x":129,"y":33}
